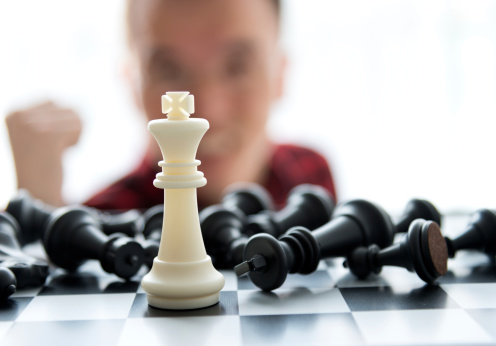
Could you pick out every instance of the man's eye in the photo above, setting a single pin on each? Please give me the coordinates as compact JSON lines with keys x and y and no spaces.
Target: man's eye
{"x":237,"y":68}
{"x":166,"y":71}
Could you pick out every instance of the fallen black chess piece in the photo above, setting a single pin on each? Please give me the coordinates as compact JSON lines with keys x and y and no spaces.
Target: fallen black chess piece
{"x":422,"y":250}
{"x":479,"y":235}
{"x":222,"y":225}
{"x":17,"y":269}
{"x":417,"y":209}
{"x":152,"y":232}
{"x":33,"y":215}
{"x":308,"y":205}
{"x":73,"y":235}
{"x":226,"y":231}
{"x":8,"y":283}
{"x":249,"y":198}
{"x":356,"y":223}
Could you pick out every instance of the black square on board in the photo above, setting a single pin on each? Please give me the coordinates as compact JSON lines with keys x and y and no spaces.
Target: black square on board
{"x":384,"y":298}
{"x":12,"y":307}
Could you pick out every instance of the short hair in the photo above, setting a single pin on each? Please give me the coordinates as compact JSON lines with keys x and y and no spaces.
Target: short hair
{"x":130,"y":9}
{"x":277,"y":5}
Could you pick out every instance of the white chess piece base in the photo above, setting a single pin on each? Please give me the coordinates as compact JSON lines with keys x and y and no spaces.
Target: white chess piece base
{"x":183,"y":286}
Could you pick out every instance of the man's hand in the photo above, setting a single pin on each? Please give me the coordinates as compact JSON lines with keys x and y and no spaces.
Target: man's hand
{"x":38,"y":137}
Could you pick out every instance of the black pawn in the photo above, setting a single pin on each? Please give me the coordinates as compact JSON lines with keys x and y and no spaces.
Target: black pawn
{"x":8,"y":283}
{"x":308,"y":206}
{"x":31,"y":214}
{"x":249,"y":198}
{"x":222,"y":235}
{"x":153,"y":219}
{"x":480,"y":234}
{"x":355,"y":223}
{"x":28,"y":271}
{"x":422,"y":250}
{"x":128,"y":222}
{"x":222,"y":224}
{"x":226,"y":230}
{"x":73,"y":235}
{"x":152,"y":232}
{"x":417,"y":209}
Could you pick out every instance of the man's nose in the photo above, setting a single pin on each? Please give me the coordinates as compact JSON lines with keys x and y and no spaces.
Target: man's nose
{"x":211,"y":101}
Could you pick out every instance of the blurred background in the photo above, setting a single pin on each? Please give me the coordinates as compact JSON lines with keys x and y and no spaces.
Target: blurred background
{"x":400,"y":96}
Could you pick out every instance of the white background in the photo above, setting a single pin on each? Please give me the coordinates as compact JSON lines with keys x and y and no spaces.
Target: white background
{"x":400,"y":96}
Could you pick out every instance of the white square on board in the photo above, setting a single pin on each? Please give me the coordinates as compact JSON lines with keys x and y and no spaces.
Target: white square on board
{"x":78,"y":307}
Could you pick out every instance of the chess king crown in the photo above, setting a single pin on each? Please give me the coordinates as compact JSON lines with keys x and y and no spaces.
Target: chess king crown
{"x":178,"y":137}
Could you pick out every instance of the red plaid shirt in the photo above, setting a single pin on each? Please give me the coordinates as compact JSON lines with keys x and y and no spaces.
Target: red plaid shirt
{"x":289,"y":166}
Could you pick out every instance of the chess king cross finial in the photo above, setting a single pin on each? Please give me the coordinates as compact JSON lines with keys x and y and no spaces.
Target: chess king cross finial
{"x":178,"y":105}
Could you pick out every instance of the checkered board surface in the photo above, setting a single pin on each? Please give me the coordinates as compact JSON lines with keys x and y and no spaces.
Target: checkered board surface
{"x":327,"y":307}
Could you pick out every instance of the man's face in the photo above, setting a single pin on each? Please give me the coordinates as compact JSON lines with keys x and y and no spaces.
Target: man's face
{"x":222,"y":51}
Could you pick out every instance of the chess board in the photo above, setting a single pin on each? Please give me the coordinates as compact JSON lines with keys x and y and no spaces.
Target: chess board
{"x":326,"y":307}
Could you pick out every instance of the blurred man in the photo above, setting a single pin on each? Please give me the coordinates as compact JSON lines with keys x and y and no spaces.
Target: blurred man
{"x":226,"y":53}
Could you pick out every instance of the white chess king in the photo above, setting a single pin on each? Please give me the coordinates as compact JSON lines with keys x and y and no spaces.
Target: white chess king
{"x":182,"y":275}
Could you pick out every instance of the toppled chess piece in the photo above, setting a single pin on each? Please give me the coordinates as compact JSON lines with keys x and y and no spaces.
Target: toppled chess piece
{"x":249,"y":198}
{"x":479,"y":235}
{"x":308,"y":206}
{"x":27,"y":271}
{"x":222,"y":225}
{"x":417,"y":209}
{"x":152,"y":232}
{"x":356,"y":223}
{"x":33,"y":215}
{"x":128,"y":222}
{"x":422,"y":250}
{"x":8,"y":283}
{"x":226,"y":232}
{"x":73,"y":235}
{"x":152,"y":222}
{"x":182,"y":275}
{"x":222,"y":232}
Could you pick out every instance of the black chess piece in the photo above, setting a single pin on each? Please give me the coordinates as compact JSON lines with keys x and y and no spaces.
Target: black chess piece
{"x":33,"y":215}
{"x":422,"y":250}
{"x":152,"y":222}
{"x":417,"y":209}
{"x":73,"y":235}
{"x":226,"y":230}
{"x":249,"y":198}
{"x":355,"y":223}
{"x":128,"y":222}
{"x":308,"y":206}
{"x":480,"y":234}
{"x":152,"y":232}
{"x":28,"y":271}
{"x":8,"y":283}
{"x":222,"y":235}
